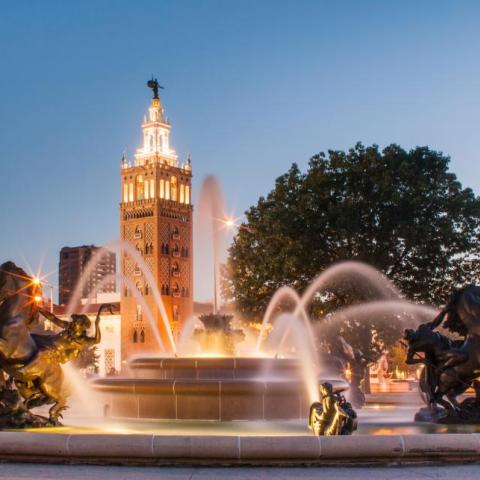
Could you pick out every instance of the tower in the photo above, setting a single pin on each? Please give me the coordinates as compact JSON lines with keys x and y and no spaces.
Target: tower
{"x":156,"y":218}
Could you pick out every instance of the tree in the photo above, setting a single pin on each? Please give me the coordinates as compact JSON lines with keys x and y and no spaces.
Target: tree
{"x":87,"y":358}
{"x":402,"y":212}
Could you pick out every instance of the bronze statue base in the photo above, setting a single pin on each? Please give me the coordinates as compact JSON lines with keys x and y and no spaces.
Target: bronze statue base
{"x":468,"y":413}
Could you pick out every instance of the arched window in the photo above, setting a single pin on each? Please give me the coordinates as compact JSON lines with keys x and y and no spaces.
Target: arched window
{"x":167,"y":190}
{"x":147,"y":289}
{"x":139,"y":186}
{"x":139,"y":313}
{"x":182,"y":252}
{"x":182,"y":193}
{"x":152,"y":188}
{"x":125,"y":192}
{"x":135,"y":336}
{"x":142,"y":336}
{"x":162,"y":188}
{"x":160,"y":141}
{"x":130,"y":192}
{"x":187,"y":194}
{"x":173,"y":188}
{"x":147,"y":189}
{"x":150,"y":142}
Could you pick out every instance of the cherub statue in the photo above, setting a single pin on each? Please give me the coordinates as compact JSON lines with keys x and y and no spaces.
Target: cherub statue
{"x":333,"y":415}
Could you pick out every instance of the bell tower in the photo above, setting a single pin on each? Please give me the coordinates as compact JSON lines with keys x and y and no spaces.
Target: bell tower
{"x":156,"y":218}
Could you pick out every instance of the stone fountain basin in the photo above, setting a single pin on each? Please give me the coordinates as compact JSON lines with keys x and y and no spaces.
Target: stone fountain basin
{"x":128,"y":449}
{"x":214,"y":368}
{"x":221,"y":389}
{"x":221,"y":400}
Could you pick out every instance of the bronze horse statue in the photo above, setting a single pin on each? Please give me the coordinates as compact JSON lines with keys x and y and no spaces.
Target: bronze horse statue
{"x":33,"y":361}
{"x":451,"y":365}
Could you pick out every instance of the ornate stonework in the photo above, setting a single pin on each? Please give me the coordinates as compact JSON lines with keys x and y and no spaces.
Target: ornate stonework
{"x":156,"y":218}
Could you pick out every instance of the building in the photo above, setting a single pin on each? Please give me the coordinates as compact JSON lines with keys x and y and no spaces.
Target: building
{"x":73,"y":264}
{"x":156,"y":219}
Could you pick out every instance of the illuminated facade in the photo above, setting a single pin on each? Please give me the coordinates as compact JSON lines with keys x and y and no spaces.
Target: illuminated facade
{"x":156,"y":218}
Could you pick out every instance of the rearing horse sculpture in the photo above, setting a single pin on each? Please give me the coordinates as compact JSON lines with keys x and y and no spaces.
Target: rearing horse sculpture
{"x":34,"y":361}
{"x":451,"y":366}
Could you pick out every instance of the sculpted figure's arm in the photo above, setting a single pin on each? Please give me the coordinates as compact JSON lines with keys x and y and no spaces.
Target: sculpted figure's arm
{"x":55,"y":320}
{"x":98,"y":336}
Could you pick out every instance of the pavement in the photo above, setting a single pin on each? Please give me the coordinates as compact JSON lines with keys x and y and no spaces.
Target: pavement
{"x":13,"y":471}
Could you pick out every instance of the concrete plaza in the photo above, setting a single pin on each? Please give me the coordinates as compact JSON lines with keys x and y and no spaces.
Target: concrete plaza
{"x":24,"y":471}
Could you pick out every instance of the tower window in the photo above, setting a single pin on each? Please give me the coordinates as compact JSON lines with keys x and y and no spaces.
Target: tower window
{"x":162,"y":188}
{"x":187,"y":194}
{"x":167,"y":190}
{"x":125,"y":192}
{"x":182,"y":193}
{"x":142,"y":336}
{"x":139,"y":313}
{"x":135,"y":336}
{"x":139,"y":184}
{"x":173,"y":188}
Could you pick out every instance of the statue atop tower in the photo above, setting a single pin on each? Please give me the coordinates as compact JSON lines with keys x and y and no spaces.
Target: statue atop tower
{"x":155,"y":86}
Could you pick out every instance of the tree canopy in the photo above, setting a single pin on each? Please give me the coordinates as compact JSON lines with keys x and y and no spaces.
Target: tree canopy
{"x":401,"y":211}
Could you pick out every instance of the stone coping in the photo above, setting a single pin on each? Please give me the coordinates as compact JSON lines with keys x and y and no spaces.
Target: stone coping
{"x":150,"y":449}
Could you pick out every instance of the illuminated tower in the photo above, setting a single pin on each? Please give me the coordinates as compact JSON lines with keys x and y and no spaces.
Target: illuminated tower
{"x":156,"y":218}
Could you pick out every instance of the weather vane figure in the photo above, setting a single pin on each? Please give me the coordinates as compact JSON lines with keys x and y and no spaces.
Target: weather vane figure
{"x":155,"y":86}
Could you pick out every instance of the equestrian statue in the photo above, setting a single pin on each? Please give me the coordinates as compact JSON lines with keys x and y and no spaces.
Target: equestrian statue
{"x":451,"y":364}
{"x":30,"y":363}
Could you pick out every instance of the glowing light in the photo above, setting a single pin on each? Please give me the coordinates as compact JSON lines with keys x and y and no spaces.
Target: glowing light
{"x":37,"y":298}
{"x":229,"y":222}
{"x":36,"y":281}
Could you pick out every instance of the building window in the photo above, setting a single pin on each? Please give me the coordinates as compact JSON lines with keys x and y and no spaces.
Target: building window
{"x":130,"y":192}
{"x":182,"y":193}
{"x":162,"y":188}
{"x":176,"y":313}
{"x":167,"y":190}
{"x":152,"y":188}
{"x":139,"y":185}
{"x":187,"y":194}
{"x":147,"y":189}
{"x":142,"y":336}
{"x":147,"y":289}
{"x":125,"y":192}
{"x":135,"y":336}
{"x":138,"y":286}
{"x":173,"y":188}
{"x":139,"y":313}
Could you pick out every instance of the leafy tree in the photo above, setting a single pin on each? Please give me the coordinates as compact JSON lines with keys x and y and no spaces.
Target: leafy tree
{"x":401,"y":211}
{"x":87,"y":358}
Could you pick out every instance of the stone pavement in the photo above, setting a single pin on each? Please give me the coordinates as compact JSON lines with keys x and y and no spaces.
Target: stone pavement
{"x":13,"y":471}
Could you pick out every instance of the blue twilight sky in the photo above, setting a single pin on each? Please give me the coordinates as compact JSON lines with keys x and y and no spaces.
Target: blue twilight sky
{"x":251,"y":86}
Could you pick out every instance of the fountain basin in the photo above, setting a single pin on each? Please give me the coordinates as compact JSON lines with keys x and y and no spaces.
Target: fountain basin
{"x":128,"y":449}
{"x":221,"y":389}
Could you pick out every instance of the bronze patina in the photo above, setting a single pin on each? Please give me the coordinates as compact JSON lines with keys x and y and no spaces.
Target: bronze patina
{"x":30,"y":363}
{"x":333,"y":415}
{"x":451,"y":363}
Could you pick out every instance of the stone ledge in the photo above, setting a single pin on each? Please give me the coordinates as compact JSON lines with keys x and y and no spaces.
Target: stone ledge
{"x":267,"y":450}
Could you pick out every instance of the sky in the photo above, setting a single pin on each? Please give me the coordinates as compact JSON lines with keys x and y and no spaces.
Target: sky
{"x":250,"y":87}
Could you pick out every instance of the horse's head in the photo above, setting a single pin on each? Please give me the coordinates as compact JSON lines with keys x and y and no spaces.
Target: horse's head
{"x":421,"y":340}
{"x":463,"y":310}
{"x":17,"y":289}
